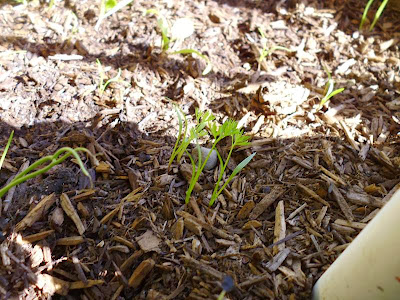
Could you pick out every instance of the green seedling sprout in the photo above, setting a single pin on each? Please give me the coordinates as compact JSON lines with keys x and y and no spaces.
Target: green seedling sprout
{"x":57,"y":158}
{"x":3,"y":156}
{"x":163,"y":25}
{"x":329,"y":91}
{"x":181,"y":135}
{"x":205,"y":125}
{"x":109,"y":7}
{"x":102,"y":85}
{"x":166,"y":39}
{"x":228,"y":129}
{"x":377,"y":14}
{"x":191,"y":51}
{"x":265,"y":51}
{"x":238,"y":139}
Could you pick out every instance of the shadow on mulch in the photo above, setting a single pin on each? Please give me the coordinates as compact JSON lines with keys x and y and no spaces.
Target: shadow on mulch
{"x":137,"y":160}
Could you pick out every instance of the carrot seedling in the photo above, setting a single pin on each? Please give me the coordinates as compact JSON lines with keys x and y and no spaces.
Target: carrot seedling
{"x":103,"y":85}
{"x":181,"y":29}
{"x":329,"y":91}
{"x":57,"y":158}
{"x":184,"y":140}
{"x":238,"y":139}
{"x":265,"y":52}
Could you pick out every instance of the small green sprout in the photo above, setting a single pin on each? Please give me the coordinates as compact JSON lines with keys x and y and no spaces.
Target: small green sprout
{"x":206,"y":126}
{"x":57,"y":158}
{"x":377,"y":14}
{"x":229,"y":128}
{"x":191,"y":51}
{"x":329,"y":92}
{"x":102,"y":85}
{"x":181,"y":29}
{"x":162,"y":23}
{"x":183,"y":141}
{"x":109,"y":7}
{"x":3,"y":156}
{"x":179,"y":151}
{"x":265,"y":51}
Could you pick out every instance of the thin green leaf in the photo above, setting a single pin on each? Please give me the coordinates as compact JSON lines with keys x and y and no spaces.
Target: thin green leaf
{"x":326,"y":98}
{"x":378,"y":14}
{"x":110,"y":4}
{"x":238,"y":168}
{"x":364,"y":16}
{"x":3,"y":156}
{"x":207,"y":69}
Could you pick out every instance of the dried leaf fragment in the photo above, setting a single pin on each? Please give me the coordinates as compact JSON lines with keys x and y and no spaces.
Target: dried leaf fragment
{"x":149,"y":242}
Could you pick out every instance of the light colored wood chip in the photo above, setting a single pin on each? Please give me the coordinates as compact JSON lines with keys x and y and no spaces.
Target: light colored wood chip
{"x":82,"y":285}
{"x":280,"y":227}
{"x":277,"y":260}
{"x":177,"y":229}
{"x":349,"y":136}
{"x":302,"y":162}
{"x":312,"y":194}
{"x":71,"y":212}
{"x":124,"y":241}
{"x":70,"y":241}
{"x":266,"y":202}
{"x":342,"y":202}
{"x":141,"y":272}
{"x":245,"y":210}
{"x":37,"y":212}
{"x":149,"y":242}
{"x":252,"y":223}
{"x":38,"y":236}
{"x":355,"y":225}
{"x":51,"y":285}
{"x":332,"y":176}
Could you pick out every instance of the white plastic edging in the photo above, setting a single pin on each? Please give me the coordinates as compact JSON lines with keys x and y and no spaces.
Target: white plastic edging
{"x":370,"y":266}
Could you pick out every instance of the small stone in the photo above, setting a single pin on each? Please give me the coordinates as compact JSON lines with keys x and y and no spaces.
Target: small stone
{"x":212,"y":160}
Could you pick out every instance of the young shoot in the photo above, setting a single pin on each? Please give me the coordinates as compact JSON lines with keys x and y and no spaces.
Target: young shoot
{"x":377,"y":14}
{"x":265,"y":51}
{"x":181,"y":29}
{"x":329,"y":91}
{"x":184,"y":140}
{"x":238,"y":139}
{"x":102,"y":85}
{"x":228,"y":129}
{"x":109,"y":7}
{"x":57,"y":158}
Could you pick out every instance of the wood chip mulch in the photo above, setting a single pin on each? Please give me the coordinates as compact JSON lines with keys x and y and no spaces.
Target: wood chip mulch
{"x":319,"y":176}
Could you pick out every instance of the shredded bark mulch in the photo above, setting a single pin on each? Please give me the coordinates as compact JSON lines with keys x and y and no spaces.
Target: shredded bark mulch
{"x":319,"y":176}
